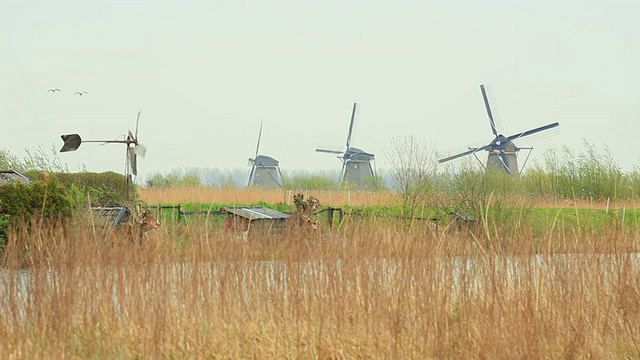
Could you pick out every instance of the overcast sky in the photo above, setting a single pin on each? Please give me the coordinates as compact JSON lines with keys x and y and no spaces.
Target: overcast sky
{"x":205,"y":72}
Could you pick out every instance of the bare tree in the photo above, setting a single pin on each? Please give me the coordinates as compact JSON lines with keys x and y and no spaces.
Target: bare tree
{"x":412,"y":168}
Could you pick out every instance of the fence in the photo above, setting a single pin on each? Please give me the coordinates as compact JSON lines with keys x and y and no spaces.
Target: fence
{"x":182,"y":213}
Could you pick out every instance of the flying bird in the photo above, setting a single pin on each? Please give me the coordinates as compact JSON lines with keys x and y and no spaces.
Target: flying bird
{"x":81,"y":93}
{"x":54,"y":90}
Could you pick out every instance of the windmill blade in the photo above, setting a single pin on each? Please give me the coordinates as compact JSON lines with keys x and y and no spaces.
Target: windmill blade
{"x":329,"y":151}
{"x":259,"y":136}
{"x":353,"y":117}
{"x":253,"y":169}
{"x":137,"y":121}
{"x":465,"y":153}
{"x":329,"y":148}
{"x":486,"y":104}
{"x":133,"y":160}
{"x":71,"y":142}
{"x":532,"y":131}
{"x":140,"y":150}
{"x":131,"y":138}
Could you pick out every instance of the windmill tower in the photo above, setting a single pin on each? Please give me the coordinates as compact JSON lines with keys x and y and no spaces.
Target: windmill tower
{"x":503,"y":153}
{"x":356,"y":163}
{"x":134,"y":149}
{"x":265,"y":171}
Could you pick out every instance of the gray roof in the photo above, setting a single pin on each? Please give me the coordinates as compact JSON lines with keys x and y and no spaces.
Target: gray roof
{"x":358,"y":154}
{"x":113,"y":216}
{"x":263,"y":160}
{"x":256,"y":212}
{"x":10,"y":176}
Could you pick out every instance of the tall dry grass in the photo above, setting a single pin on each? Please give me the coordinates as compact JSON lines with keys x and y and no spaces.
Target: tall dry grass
{"x":155,"y":195}
{"x":373,"y":289}
{"x":176,"y":195}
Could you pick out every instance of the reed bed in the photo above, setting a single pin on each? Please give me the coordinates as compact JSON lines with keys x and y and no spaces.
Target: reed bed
{"x":175,"y":195}
{"x":373,"y":289}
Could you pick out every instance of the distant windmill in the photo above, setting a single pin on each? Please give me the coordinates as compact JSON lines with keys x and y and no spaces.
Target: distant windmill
{"x":265,"y":171}
{"x":73,"y":141}
{"x":356,"y":163}
{"x":503,"y":153}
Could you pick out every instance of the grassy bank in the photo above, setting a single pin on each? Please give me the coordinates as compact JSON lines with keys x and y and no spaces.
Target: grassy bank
{"x":498,"y":217}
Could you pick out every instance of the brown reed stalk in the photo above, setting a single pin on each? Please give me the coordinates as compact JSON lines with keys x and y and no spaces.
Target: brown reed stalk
{"x":375,"y":288}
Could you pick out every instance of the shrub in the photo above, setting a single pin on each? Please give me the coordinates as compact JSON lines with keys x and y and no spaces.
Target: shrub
{"x":310,"y":183}
{"x":101,"y":189}
{"x":373,"y":183}
{"x":590,"y":174}
{"x":48,"y":199}
{"x":413,"y":171}
{"x":480,"y":194}
{"x":174,"y":180}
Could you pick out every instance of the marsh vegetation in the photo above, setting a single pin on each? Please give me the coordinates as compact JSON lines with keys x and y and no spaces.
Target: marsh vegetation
{"x":376,"y":287}
{"x":537,"y":275}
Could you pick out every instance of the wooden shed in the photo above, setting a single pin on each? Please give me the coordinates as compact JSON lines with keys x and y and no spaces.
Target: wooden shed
{"x":10,"y":176}
{"x":254,"y":218}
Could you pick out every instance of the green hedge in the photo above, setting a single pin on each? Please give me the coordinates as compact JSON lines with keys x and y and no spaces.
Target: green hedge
{"x":21,"y":201}
{"x":101,"y":189}
{"x":57,"y":195}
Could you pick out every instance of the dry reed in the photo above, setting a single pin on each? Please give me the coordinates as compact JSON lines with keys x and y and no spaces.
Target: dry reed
{"x":155,"y":195}
{"x":372,"y":289}
{"x":175,"y":195}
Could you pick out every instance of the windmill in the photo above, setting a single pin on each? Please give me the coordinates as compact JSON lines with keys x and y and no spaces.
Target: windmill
{"x":356,"y":163}
{"x":73,"y":141}
{"x":265,"y":171}
{"x":503,"y":153}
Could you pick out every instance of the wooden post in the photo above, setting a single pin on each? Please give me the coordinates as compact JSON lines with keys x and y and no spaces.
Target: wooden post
{"x":128,"y":187}
{"x":330,"y":217}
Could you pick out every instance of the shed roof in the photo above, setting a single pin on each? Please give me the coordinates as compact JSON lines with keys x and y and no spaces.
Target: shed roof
{"x":113,"y":216}
{"x":256,"y":212}
{"x":10,"y":176}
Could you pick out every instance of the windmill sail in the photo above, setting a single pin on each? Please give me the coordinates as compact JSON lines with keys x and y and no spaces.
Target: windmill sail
{"x":502,"y":151}
{"x":353,"y":117}
{"x":71,"y":142}
{"x":488,"y":107}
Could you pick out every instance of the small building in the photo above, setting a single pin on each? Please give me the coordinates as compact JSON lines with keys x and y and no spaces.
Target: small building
{"x":254,"y":218}
{"x":11,"y":176}
{"x":110,"y":216}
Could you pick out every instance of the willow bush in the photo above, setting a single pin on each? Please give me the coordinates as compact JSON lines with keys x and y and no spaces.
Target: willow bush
{"x":589,"y":174}
{"x":482,"y":196}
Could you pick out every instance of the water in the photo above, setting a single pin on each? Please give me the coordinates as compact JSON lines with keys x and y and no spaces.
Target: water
{"x":20,"y":290}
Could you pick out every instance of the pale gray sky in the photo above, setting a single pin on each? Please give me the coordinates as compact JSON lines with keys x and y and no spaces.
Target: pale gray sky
{"x":205,"y":72}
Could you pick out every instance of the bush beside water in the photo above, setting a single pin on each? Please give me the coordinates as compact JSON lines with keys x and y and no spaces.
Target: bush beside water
{"x":57,"y":196}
